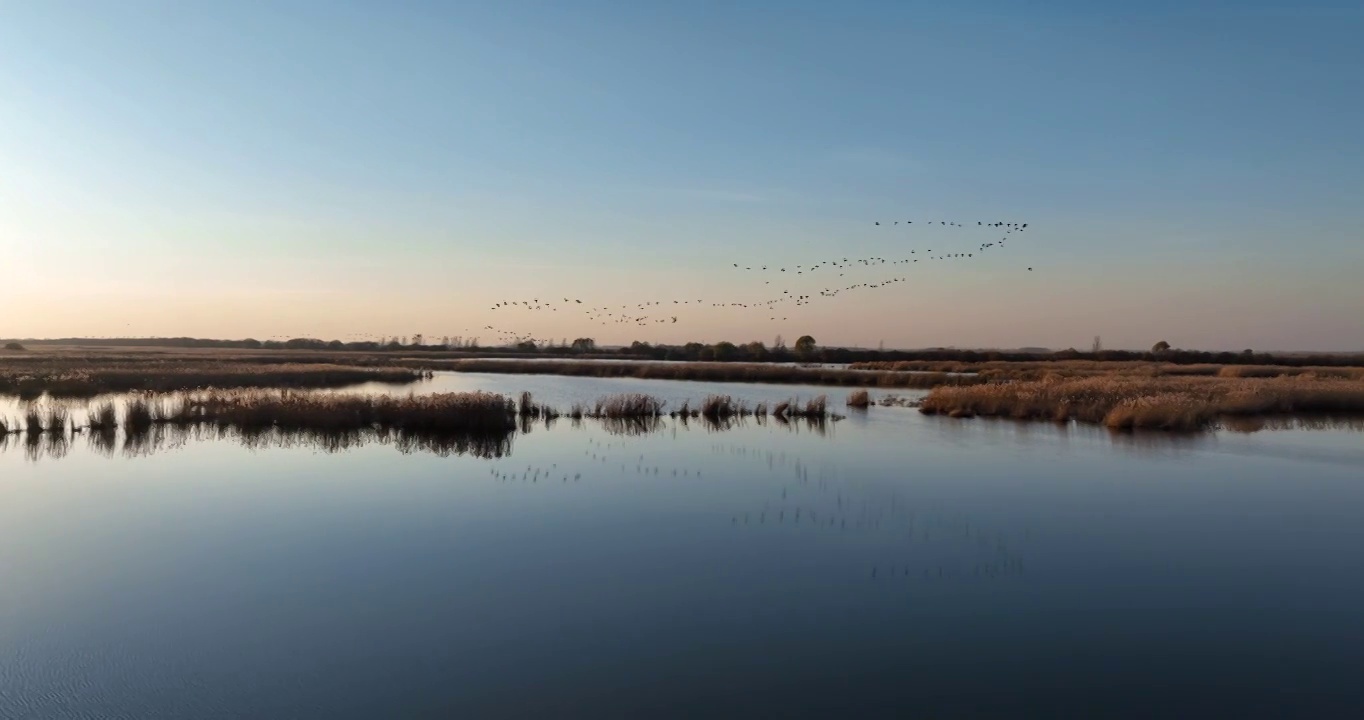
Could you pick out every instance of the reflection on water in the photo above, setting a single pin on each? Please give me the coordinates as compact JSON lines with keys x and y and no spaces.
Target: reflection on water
{"x":891,"y":565}
{"x":167,"y":437}
{"x":1290,"y":422}
{"x":932,"y":544}
{"x":174,"y":436}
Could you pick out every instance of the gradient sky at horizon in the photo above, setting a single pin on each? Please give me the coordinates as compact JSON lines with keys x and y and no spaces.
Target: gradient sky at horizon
{"x":1190,"y":171}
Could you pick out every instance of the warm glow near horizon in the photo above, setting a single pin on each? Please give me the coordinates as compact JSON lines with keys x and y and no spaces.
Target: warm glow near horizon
{"x":362,"y":171}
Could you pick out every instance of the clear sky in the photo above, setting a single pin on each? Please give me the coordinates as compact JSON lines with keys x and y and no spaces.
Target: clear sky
{"x":1190,"y":171}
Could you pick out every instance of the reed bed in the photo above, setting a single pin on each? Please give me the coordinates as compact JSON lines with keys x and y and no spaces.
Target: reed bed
{"x":137,"y":415}
{"x":528,"y":409}
{"x":714,"y":372}
{"x":254,"y":411}
{"x":686,"y":411}
{"x":80,"y":378}
{"x":102,"y":417}
{"x":860,"y":399}
{"x":816,"y":407}
{"x":997,"y":371}
{"x":480,"y":424}
{"x":54,"y":420}
{"x":716,"y":407}
{"x":440,"y":413}
{"x":1177,"y":404}
{"x":628,"y":405}
{"x":33,"y":420}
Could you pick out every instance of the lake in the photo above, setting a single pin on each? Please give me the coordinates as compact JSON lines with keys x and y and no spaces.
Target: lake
{"x":889,"y":564}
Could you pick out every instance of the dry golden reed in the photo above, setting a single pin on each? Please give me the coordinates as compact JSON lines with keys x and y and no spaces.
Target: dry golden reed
{"x":1166,"y":403}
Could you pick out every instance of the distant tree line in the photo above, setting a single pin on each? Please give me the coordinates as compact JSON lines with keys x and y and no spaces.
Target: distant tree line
{"x":804,"y":350}
{"x":808,"y":352}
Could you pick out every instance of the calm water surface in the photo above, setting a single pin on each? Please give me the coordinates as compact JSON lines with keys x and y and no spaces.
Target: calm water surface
{"x":893,"y":565}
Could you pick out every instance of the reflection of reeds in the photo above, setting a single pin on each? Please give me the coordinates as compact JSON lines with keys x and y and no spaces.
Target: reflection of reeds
{"x":445,"y":412}
{"x":33,"y":446}
{"x":1250,"y":424}
{"x":57,"y":444}
{"x":478,"y":423}
{"x":632,"y":425}
{"x":480,"y":445}
{"x":172,"y":434}
{"x":103,"y":441}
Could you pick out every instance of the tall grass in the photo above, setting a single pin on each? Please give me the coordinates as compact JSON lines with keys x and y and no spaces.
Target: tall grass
{"x":446,"y":412}
{"x":717,"y":407}
{"x":478,"y":423}
{"x":528,"y":409}
{"x":137,"y":415}
{"x":33,"y":420}
{"x":860,"y":399}
{"x":627,"y":405}
{"x":816,"y":407}
{"x":1182,"y":403}
{"x":102,"y":418}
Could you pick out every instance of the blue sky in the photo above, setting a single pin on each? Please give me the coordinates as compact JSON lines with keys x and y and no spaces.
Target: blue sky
{"x":1189,"y":171}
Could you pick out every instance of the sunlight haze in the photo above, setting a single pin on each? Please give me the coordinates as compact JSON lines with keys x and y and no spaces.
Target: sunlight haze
{"x":1192,"y":173}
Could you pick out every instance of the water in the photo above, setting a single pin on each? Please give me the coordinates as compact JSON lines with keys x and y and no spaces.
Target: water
{"x":554,"y":390}
{"x":892,"y":565}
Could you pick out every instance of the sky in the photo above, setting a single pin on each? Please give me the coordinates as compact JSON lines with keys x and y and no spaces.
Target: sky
{"x":1190,"y":171}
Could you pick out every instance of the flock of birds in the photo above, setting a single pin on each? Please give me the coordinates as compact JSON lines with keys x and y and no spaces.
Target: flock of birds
{"x":775,"y":307}
{"x":653,"y":312}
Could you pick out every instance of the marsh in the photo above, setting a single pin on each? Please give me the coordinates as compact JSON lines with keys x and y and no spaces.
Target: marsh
{"x":679,"y":566}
